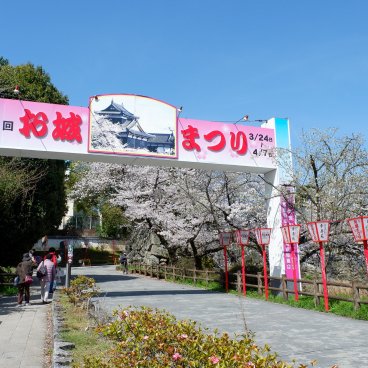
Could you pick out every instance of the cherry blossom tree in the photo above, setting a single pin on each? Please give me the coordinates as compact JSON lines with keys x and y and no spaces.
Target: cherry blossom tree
{"x":184,"y":208}
{"x":329,"y":173}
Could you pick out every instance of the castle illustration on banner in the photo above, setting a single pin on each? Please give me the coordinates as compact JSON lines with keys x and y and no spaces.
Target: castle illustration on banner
{"x":128,"y":124}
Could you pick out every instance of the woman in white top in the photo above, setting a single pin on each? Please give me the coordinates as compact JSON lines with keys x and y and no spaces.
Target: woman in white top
{"x":48,"y":278}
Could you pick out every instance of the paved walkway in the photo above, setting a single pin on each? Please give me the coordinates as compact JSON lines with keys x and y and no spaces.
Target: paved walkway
{"x":22,"y":332}
{"x":293,"y":333}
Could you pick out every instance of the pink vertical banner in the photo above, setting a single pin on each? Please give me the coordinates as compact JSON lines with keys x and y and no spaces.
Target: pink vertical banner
{"x":288,"y":217}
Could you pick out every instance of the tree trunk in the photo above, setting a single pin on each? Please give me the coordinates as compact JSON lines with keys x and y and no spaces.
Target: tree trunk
{"x":197,"y":258}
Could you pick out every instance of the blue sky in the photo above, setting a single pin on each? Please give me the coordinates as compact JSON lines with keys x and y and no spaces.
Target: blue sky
{"x":302,"y":59}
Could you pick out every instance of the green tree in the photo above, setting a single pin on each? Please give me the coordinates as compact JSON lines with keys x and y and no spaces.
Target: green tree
{"x":113,"y":220}
{"x":3,"y":61}
{"x":32,"y":190}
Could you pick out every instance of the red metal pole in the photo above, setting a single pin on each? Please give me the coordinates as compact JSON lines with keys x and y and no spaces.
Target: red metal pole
{"x":265,"y":270}
{"x":296,"y":294}
{"x":243,"y":270}
{"x":324,"y":280}
{"x":226,"y":272}
{"x":365,"y":242}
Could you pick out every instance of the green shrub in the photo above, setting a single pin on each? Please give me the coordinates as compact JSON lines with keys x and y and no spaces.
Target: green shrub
{"x":8,"y":290}
{"x":81,"y":290}
{"x":148,"y":338}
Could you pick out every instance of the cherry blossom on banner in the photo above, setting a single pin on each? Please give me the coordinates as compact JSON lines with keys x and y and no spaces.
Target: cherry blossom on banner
{"x":203,"y":141}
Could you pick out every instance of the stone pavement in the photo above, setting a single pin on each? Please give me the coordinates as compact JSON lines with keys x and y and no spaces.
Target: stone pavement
{"x":293,"y":333}
{"x":22,"y":332}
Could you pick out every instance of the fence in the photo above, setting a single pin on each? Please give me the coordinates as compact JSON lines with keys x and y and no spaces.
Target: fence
{"x":353,"y":291}
{"x":311,"y":288}
{"x":175,"y":273}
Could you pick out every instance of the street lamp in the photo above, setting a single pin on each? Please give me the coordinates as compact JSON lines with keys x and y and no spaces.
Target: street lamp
{"x":359,"y":228}
{"x":15,"y":90}
{"x":263,"y":236}
{"x":319,"y":231}
{"x":225,"y":240}
{"x":291,"y":234}
{"x":242,"y":238}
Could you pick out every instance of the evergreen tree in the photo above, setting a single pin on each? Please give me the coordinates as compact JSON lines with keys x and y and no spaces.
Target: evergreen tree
{"x":32,"y":190}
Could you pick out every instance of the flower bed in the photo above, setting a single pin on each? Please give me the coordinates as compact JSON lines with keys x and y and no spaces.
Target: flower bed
{"x":148,"y":338}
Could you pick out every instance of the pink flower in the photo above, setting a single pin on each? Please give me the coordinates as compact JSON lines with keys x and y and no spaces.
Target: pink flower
{"x":214,"y":359}
{"x":183,"y":336}
{"x":176,"y":356}
{"x":249,"y":365}
{"x":145,"y":337}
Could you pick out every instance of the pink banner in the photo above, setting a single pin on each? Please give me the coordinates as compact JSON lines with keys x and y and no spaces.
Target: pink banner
{"x":224,"y":143}
{"x":288,"y":217}
{"x":34,"y":129}
{"x":42,"y":126}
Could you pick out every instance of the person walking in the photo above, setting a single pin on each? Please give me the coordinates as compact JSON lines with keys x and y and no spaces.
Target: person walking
{"x":48,"y":277}
{"x":124,"y":263}
{"x":52,"y":251}
{"x":56,"y":259}
{"x":24,"y":272}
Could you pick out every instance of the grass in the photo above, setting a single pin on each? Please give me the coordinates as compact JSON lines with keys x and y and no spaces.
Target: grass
{"x":77,"y":330}
{"x":346,"y":309}
{"x":212,"y":285}
{"x":338,"y":307}
{"x":8,"y":290}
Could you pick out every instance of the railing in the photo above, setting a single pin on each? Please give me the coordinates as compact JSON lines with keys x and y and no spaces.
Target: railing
{"x":353,"y":291}
{"x":356,"y":290}
{"x":175,"y":273}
